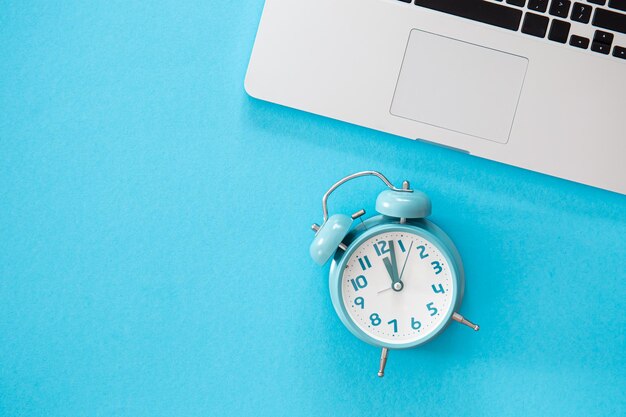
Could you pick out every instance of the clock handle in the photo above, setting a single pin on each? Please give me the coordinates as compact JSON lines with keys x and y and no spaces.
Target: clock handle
{"x":383,"y":362}
{"x":351,"y":177}
{"x":463,"y":320}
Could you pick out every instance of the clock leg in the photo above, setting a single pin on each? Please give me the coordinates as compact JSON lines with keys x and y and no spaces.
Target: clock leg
{"x":383,"y":362}
{"x":463,"y":320}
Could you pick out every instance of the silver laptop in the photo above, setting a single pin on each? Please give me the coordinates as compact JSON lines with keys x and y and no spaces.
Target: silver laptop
{"x":539,"y":84}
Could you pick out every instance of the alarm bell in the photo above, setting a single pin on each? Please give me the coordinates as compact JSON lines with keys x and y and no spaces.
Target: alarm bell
{"x":402,"y":203}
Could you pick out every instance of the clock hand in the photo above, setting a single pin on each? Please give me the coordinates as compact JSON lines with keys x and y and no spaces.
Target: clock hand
{"x":389,"y":268}
{"x":392,"y":268}
{"x":394,"y":263}
{"x":406,"y":259}
{"x":396,"y":285}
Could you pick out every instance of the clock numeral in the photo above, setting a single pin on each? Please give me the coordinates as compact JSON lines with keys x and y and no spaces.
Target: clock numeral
{"x":365,"y":263}
{"x":359,"y":282}
{"x":439,"y":289}
{"x":375,"y":319}
{"x":381,"y":247}
{"x":360,"y":301}
{"x":432,"y":309}
{"x":415,"y":324}
{"x":436,"y":267}
{"x":422,"y":251}
{"x":395,"y":325}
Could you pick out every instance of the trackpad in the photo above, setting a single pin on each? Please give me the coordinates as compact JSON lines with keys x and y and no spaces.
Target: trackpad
{"x":459,"y":86}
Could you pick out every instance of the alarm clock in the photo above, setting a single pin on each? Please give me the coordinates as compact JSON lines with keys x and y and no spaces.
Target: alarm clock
{"x":396,"y":279}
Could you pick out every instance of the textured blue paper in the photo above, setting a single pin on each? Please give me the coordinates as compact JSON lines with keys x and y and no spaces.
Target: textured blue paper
{"x":154,"y":232}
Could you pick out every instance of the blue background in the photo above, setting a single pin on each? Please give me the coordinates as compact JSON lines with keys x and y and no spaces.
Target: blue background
{"x":154,"y":233}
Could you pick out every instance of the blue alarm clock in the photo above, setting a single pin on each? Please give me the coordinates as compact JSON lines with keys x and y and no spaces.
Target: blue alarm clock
{"x":396,"y":279}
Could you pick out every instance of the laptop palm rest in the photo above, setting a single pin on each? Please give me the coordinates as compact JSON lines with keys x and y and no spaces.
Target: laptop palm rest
{"x":459,"y":86}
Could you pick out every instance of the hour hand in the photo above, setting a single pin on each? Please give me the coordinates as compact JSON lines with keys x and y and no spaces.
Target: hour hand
{"x":389,"y":267}
{"x":396,"y":284}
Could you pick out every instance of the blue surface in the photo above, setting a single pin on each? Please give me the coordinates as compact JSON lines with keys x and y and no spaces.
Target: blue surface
{"x":154,"y":237}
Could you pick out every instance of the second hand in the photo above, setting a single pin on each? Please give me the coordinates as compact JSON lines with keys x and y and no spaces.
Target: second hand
{"x":406,"y":259}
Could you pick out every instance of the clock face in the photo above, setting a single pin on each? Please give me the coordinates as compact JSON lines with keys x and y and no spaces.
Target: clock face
{"x":425,"y":287}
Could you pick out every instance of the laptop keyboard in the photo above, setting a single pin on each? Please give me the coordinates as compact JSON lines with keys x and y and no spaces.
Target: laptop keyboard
{"x":587,"y":24}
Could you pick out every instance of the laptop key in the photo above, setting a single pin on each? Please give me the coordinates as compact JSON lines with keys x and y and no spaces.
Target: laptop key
{"x":535,"y":25}
{"x":538,"y":5}
{"x":602,"y":42}
{"x":603,"y":37}
{"x":581,"y":13}
{"x":600,"y":47}
{"x":478,"y":10}
{"x":559,"y":30}
{"x":579,"y":42}
{"x":560,"y":8}
{"x":619,"y":52}
{"x":618,"y":4}
{"x":607,"y":19}
{"x":600,"y":2}
{"x":519,"y":3}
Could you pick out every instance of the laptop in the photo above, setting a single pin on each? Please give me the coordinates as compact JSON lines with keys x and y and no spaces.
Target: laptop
{"x":538,"y":84}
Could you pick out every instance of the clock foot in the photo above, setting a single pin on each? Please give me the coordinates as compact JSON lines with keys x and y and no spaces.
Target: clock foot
{"x":463,"y":320}
{"x":383,"y":362}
